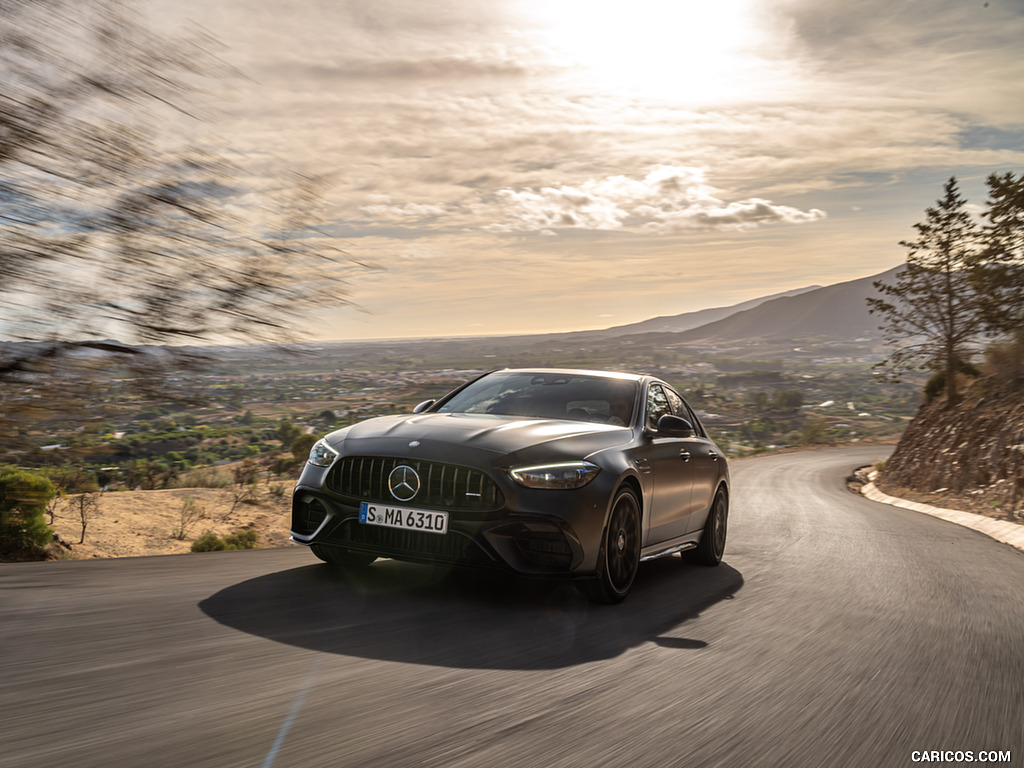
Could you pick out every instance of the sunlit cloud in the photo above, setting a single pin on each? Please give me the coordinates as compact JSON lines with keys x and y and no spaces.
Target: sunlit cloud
{"x":668,"y":199}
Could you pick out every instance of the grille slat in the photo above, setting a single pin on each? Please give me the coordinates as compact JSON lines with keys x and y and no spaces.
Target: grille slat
{"x":443,"y":486}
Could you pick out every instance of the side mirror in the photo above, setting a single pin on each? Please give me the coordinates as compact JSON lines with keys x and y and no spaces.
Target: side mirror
{"x":674,"y":426}
{"x":423,"y":406}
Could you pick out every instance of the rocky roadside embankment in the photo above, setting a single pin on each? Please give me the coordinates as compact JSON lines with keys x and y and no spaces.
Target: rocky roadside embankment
{"x":970,"y":456}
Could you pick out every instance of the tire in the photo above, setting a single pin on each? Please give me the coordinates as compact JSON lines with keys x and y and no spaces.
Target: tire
{"x":712,"y":542}
{"x":620,"y":550}
{"x":342,"y":558}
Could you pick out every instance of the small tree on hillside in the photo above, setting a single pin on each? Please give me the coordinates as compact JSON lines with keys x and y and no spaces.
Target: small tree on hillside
{"x":86,"y":506}
{"x":999,"y":270}
{"x":931,"y":313}
{"x":288,"y":433}
{"x":244,"y":490}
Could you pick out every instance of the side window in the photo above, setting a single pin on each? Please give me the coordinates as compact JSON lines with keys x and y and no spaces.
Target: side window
{"x":657,"y":405}
{"x":676,"y":404}
{"x":682,"y":409}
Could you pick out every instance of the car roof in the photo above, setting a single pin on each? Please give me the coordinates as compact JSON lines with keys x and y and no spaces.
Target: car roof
{"x":577,"y":372}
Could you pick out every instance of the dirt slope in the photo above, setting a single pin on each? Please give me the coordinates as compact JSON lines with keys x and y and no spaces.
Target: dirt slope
{"x":135,"y":523}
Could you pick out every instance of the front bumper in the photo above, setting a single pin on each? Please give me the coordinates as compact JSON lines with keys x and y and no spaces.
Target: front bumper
{"x":535,"y":532}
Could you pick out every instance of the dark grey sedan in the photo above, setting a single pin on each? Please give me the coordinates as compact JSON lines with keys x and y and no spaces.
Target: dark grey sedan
{"x":547,"y":473}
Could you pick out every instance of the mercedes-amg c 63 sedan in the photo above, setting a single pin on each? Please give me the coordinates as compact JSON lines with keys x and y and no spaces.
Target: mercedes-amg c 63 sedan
{"x":548,"y":473}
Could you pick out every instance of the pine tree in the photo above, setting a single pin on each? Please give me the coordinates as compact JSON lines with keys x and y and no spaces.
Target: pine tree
{"x":931,"y":314}
{"x":999,"y":271}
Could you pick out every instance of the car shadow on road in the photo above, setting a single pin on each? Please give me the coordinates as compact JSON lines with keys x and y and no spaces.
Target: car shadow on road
{"x":466,"y":618}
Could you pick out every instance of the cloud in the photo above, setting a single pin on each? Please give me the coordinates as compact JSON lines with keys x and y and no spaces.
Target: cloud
{"x":383,"y":209}
{"x":946,"y":54}
{"x":668,"y":199}
{"x":463,"y":65}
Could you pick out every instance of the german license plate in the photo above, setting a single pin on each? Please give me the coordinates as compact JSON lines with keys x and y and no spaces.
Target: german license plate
{"x":403,"y":517}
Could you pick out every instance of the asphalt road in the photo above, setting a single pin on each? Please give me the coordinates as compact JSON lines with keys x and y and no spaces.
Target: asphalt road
{"x":838,"y":632}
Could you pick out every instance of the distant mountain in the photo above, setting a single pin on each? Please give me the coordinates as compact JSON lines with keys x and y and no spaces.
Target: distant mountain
{"x":690,"y":320}
{"x":836,"y":311}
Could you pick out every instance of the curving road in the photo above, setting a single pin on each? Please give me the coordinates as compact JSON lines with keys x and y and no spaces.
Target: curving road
{"x":838,"y":632}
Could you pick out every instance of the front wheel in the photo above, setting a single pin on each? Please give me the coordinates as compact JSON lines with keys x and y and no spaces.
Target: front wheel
{"x":712,"y":541}
{"x":341,"y":558}
{"x":620,"y":550}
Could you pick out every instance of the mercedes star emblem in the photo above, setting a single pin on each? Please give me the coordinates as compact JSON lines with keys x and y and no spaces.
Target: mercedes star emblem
{"x":403,"y":482}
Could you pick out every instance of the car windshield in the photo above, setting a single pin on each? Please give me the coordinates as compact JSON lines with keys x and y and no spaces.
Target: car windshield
{"x":549,"y":395}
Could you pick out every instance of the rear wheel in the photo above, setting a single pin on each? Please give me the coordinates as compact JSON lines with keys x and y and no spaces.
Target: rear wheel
{"x":620,"y":552}
{"x":712,"y":542}
{"x":342,"y":558}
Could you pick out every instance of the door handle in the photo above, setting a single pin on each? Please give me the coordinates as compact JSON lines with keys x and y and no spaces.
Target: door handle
{"x":713,"y":456}
{"x":684,"y":455}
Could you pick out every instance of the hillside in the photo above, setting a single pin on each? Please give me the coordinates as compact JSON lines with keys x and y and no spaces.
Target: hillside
{"x":140,"y":523}
{"x":837,"y":311}
{"x":690,"y":320}
{"x":970,"y":456}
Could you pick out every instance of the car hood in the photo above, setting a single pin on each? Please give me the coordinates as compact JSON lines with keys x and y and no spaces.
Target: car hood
{"x":494,"y":434}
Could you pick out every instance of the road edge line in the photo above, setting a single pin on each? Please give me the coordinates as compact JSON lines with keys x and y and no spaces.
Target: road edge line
{"x":1000,"y":530}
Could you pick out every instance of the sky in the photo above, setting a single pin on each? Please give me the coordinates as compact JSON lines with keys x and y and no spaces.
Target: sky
{"x":528,"y":166}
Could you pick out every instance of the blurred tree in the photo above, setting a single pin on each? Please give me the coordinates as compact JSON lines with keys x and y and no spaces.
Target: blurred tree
{"x":302,"y":445}
{"x":757,"y":399}
{"x":930,"y":314}
{"x":23,"y":502}
{"x":787,"y":400}
{"x":68,"y":480}
{"x":814,"y":431}
{"x":107,"y":232}
{"x":150,"y":474}
{"x":287,"y":432}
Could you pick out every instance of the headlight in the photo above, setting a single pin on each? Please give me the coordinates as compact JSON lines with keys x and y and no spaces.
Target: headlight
{"x":565,"y":474}
{"x":322,"y":455}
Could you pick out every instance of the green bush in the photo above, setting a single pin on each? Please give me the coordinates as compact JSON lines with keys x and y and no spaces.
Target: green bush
{"x":244,"y":539}
{"x":211,"y":542}
{"x":23,"y":499}
{"x":301,"y":446}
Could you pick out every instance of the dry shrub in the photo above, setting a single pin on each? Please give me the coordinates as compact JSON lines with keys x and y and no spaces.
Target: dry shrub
{"x":191,"y":513}
{"x":1005,"y":362}
{"x":204,"y":477}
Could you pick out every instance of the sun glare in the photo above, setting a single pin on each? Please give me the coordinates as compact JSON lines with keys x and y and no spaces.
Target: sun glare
{"x":684,"y":51}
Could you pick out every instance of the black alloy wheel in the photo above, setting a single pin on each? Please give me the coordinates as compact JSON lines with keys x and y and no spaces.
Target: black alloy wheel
{"x":620,"y":556}
{"x":712,"y":542}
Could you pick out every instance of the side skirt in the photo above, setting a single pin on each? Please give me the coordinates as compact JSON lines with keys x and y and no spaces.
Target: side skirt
{"x":667,"y":548}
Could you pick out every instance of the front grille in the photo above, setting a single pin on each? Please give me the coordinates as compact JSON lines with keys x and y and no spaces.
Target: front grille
{"x":444,"y":486}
